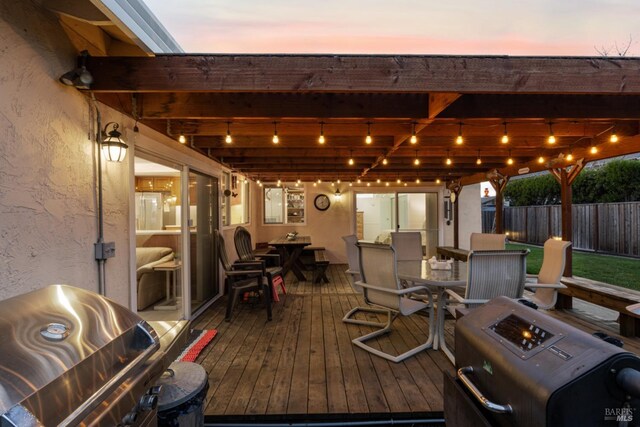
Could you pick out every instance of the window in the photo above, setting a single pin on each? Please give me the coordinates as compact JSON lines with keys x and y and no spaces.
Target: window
{"x":235,"y":200}
{"x":284,"y":205}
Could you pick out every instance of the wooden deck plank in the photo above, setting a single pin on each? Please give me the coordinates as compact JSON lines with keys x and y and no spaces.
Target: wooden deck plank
{"x":279,"y":399}
{"x":303,"y":362}
{"x":351,"y":371}
{"x":299,"y":391}
{"x":259,"y":400}
{"x":317,"y":398}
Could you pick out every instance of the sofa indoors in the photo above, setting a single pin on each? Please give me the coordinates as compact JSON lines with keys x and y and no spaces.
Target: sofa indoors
{"x":151,"y":285}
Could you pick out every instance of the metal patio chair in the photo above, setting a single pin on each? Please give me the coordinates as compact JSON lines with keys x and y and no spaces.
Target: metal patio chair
{"x":487,"y":242}
{"x":354,"y":273}
{"x":407,"y":244}
{"x":546,"y":284}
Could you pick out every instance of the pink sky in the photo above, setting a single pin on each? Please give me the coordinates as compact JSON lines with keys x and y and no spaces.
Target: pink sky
{"x":510,"y":27}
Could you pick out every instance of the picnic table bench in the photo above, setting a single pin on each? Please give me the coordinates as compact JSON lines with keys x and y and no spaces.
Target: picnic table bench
{"x":603,"y":294}
{"x":451,"y":252}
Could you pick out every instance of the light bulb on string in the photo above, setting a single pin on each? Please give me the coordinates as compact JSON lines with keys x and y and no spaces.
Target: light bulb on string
{"x":228,"y":138}
{"x":414,"y":138}
{"x":541,"y":160}
{"x":505,"y":136}
{"x":448,"y":161}
{"x":182,"y":139}
{"x":614,"y":136}
{"x":321,"y":137}
{"x":593,"y":149}
{"x":478,"y":160}
{"x":510,"y":159}
{"x":459,"y":139}
{"x":385,"y":161}
{"x":552,"y":137}
{"x":351,"y":162}
{"x":368,"y":138}
{"x":416,"y":161}
{"x":275,"y":138}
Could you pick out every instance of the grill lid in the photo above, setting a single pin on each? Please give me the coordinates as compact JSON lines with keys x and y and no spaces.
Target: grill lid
{"x":63,"y":349}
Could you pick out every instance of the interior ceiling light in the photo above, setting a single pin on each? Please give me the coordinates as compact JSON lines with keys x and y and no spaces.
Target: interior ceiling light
{"x":321,"y":137}
{"x":368,"y":139}
{"x":614,"y":136}
{"x":505,"y":136}
{"x":114,"y":149}
{"x":414,"y":138}
{"x":459,"y":139}
{"x":552,"y":138}
{"x":416,"y":161}
{"x":228,"y":138}
{"x":79,"y":77}
{"x":275,"y":138}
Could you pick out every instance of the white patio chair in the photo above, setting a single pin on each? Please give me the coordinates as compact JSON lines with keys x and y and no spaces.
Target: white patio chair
{"x":354,"y":272}
{"x":490,"y":274}
{"x":546,"y":284}
{"x":381,"y":287}
{"x":487,"y":242}
{"x":407,"y":244}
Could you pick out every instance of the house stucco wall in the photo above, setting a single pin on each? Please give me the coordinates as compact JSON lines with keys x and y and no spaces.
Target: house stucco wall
{"x":470,"y":220}
{"x":47,"y":166}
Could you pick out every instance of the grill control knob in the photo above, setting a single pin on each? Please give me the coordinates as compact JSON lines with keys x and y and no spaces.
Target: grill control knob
{"x":130,"y":418}
{"x":148,"y":402}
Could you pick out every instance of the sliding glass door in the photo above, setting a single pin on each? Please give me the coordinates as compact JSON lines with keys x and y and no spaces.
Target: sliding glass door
{"x":203,"y":219}
{"x":378,"y":214}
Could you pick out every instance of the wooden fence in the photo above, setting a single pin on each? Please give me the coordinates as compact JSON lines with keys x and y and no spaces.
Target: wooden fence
{"x":612,"y":228}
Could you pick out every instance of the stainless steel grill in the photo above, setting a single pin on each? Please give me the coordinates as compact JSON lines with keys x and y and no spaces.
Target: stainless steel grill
{"x":522,"y":367}
{"x":72,"y":357}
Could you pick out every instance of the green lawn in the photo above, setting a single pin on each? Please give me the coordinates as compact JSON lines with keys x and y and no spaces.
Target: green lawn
{"x":614,"y":270}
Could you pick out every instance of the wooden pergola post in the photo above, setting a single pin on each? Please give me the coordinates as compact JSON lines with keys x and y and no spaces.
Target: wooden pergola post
{"x":498,"y":182}
{"x":565,"y":176}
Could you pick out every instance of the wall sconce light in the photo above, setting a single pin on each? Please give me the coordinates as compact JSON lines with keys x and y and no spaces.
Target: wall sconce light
{"x":114,"y":148}
{"x":79,"y":77}
{"x":338,"y":194}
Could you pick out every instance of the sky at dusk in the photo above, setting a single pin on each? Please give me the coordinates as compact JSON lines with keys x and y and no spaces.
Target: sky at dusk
{"x":469,"y":27}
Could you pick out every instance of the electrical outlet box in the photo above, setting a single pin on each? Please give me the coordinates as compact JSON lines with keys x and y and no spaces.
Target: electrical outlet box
{"x":105,"y":250}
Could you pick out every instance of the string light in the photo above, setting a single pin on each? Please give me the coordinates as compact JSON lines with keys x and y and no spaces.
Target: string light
{"x":338,"y":181}
{"x":569,"y":157}
{"x":351,"y":162}
{"x":552,"y":138}
{"x":359,"y":181}
{"x":275,"y":133}
{"x":614,"y":136}
{"x":368,"y":184}
{"x":228,"y":138}
{"x":505,"y":136}
{"x":398,"y":180}
{"x":417,"y":180}
{"x":368,"y":139}
{"x":386,"y":183}
{"x":438,"y":181}
{"x":385,"y":161}
{"x":182,"y":139}
{"x":378,"y":180}
{"x":298,"y":181}
{"x":351,"y":184}
{"x":414,"y":138}
{"x":541,"y":160}
{"x":510,"y":159}
{"x":593,"y":149}
{"x":319,"y":181}
{"x":258,"y":182}
{"x":315,"y":185}
{"x":417,"y":160}
{"x":279,"y":182}
{"x":448,"y":162}
{"x":321,"y":137}
{"x":478,"y":160}
{"x":459,"y":139}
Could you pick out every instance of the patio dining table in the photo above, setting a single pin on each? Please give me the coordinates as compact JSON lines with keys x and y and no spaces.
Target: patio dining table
{"x":290,"y":250}
{"x":421,"y":273}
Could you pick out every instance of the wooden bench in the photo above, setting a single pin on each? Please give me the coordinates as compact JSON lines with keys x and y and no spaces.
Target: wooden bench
{"x":321,"y":265}
{"x":451,"y":252}
{"x":605,"y":295}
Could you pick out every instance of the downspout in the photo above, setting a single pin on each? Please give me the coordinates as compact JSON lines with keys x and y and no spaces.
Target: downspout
{"x":101,"y":262}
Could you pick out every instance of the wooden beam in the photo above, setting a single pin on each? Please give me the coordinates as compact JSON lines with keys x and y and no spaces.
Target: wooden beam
{"x":366,"y":73}
{"x":544,"y":106}
{"x":499,"y":182}
{"x":85,"y":36}
{"x":438,"y":102}
{"x":323,"y":106}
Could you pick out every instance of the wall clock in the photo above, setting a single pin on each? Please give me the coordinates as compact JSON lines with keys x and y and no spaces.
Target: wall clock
{"x":322,"y":202}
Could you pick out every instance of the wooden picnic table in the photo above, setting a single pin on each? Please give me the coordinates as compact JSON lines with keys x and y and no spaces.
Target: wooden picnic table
{"x":290,"y":250}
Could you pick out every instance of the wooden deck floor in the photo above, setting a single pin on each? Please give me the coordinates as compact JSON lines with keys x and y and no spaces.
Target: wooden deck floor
{"x":303,"y":362}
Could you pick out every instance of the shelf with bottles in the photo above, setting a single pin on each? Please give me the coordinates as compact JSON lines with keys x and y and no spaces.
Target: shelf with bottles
{"x":295,"y":205}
